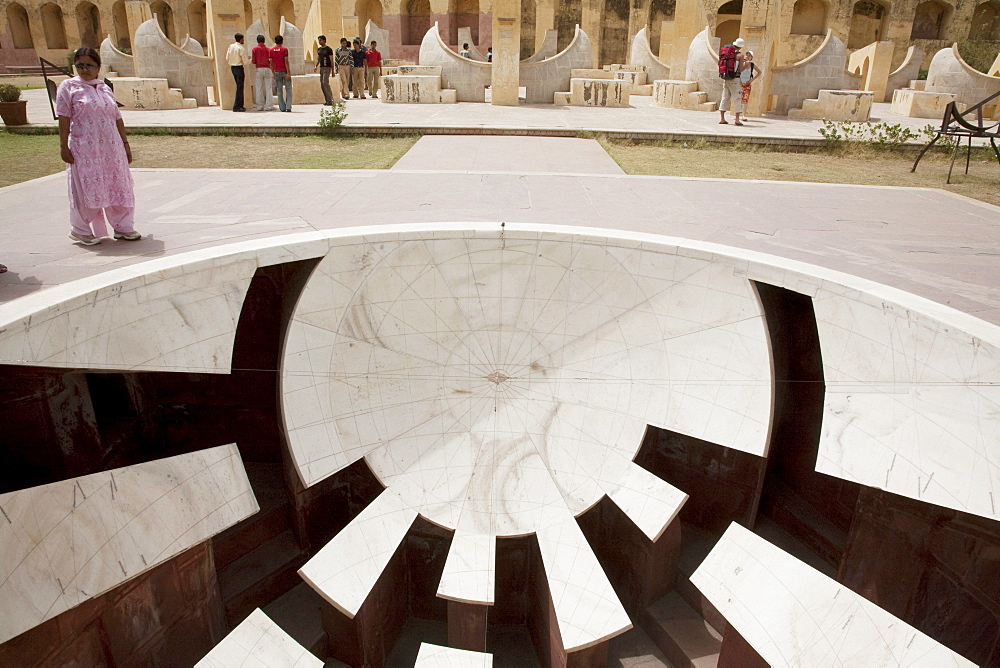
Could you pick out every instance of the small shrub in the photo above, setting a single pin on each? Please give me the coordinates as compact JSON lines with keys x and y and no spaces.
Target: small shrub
{"x":922,"y":75}
{"x":881,"y":135}
{"x":9,"y":93}
{"x":331,"y":119}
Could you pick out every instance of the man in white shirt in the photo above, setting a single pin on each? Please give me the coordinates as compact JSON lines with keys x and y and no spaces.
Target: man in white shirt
{"x":465,"y":53}
{"x":237,"y":58}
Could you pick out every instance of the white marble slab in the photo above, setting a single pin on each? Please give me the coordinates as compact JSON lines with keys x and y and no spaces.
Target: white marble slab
{"x":347,"y":568}
{"x":174,"y":314}
{"x":436,"y":656}
{"x":468,"y":575}
{"x":793,"y":615}
{"x":69,"y":541}
{"x":587,"y":609}
{"x":912,"y":403}
{"x":259,"y":643}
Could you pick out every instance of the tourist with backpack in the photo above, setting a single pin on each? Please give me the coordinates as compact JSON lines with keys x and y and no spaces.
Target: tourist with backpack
{"x":730,"y":62}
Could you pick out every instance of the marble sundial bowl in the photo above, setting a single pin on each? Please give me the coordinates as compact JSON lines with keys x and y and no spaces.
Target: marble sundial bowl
{"x":500,"y":385}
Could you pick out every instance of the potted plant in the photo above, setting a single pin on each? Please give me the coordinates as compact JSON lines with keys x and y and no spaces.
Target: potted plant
{"x":13,"y":109}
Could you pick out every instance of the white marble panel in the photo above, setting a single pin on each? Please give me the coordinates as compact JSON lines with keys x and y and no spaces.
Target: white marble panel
{"x":175,"y":314}
{"x":70,"y":541}
{"x":586,"y":606}
{"x":912,"y":403}
{"x":347,"y":568}
{"x":259,"y":643}
{"x":793,"y":615}
{"x":469,"y":569}
{"x":436,"y":656}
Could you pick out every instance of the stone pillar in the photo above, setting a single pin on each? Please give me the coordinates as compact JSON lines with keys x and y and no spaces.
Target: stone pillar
{"x":590,"y":23}
{"x":689,"y":20}
{"x":665,"y":47}
{"x":506,"y":52}
{"x":225,"y":18}
{"x":137,"y":12}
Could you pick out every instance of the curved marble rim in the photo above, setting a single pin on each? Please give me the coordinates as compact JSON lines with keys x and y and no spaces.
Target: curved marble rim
{"x":291,"y":247}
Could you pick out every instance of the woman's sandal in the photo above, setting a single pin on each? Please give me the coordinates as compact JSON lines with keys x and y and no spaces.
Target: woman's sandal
{"x":3,"y":268}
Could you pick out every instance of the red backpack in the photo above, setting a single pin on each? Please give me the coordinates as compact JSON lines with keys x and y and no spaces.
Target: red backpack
{"x":728,"y":68}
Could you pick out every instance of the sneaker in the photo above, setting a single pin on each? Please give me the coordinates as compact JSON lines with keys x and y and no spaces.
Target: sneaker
{"x":131,"y":236}
{"x":85,"y":239}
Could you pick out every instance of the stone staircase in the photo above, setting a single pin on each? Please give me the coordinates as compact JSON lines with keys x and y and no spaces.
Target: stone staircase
{"x":257,"y":560}
{"x":836,"y":105}
{"x":144,"y":93}
{"x":677,"y":94}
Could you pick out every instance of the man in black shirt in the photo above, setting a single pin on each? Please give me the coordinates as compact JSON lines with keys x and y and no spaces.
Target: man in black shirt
{"x":324,"y":63}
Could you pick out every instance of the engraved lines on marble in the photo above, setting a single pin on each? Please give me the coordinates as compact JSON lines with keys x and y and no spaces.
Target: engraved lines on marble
{"x":69,"y":541}
{"x":912,"y":403}
{"x":500,"y":384}
{"x":259,"y":643}
{"x":793,"y":615}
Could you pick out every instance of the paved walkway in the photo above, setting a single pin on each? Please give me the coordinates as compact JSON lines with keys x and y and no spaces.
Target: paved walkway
{"x":925,"y":241}
{"x":641,"y":117}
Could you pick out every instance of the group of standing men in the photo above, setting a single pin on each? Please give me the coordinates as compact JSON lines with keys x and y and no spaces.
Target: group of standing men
{"x":359,"y":67}
{"x":272,"y":70}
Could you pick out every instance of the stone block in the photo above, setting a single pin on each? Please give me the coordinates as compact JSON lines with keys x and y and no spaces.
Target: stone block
{"x":591,"y":74}
{"x":634,"y":78}
{"x":560,"y":98}
{"x":837,"y":105}
{"x":645,"y":90}
{"x":920,"y":104}
{"x":415,"y":89}
{"x":676,"y":94}
{"x":599,"y":92}
{"x":917,"y":84}
{"x":149,"y":94}
{"x":306,"y":89}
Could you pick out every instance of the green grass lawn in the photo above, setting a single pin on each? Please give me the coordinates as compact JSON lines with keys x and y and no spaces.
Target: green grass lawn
{"x":31,"y":156}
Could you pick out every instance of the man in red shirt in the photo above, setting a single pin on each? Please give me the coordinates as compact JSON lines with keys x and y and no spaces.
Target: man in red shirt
{"x":263,"y":82}
{"x":374,"y":61}
{"x":282,"y":77}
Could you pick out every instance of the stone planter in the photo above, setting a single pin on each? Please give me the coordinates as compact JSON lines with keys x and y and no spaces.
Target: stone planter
{"x":14,"y":113}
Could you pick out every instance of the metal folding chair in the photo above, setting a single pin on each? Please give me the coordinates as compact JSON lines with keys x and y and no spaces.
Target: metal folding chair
{"x":956,"y":125}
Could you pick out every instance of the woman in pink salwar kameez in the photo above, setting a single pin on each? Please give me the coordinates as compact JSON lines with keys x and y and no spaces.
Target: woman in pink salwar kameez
{"x":97,"y":155}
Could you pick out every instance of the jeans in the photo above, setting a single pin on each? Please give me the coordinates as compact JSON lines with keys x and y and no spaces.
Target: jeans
{"x":240,"y":77}
{"x":283,"y":80}
{"x":324,"y":83}
{"x":263,"y":83}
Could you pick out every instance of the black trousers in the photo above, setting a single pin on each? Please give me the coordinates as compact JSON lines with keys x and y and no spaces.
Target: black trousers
{"x":240,"y":75}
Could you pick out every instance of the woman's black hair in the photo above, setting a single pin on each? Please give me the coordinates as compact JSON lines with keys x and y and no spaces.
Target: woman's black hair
{"x":87,"y":52}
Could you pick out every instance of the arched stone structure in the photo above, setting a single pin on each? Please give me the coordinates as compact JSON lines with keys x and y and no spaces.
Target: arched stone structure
{"x":368,"y":10}
{"x":88,"y":23}
{"x":986,"y":21}
{"x":642,"y":54}
{"x":275,"y":10}
{"x":729,"y":20}
{"x":464,"y":14}
{"x":568,"y":15}
{"x":164,"y":14}
{"x":930,"y":20}
{"x":415,"y":21}
{"x":809,"y":17}
{"x":19,"y":26}
{"x":53,"y":26}
{"x":659,"y":11}
{"x":197,"y":24}
{"x":614,"y":42}
{"x":119,"y":19}
{"x":868,"y":19}
{"x":115,"y":60}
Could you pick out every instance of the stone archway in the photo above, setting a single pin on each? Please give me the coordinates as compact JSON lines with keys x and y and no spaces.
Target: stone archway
{"x":659,"y":11}
{"x":368,"y":10}
{"x":275,"y":10}
{"x":88,"y":22}
{"x":416,"y":21}
{"x":197,"y":22}
{"x":20,"y":27}
{"x":809,"y":17}
{"x":165,"y":17}
{"x":729,"y":19}
{"x":986,"y":21}
{"x":867,"y":24}
{"x":53,"y":26}
{"x":569,"y":14}
{"x":614,"y":32}
{"x":464,"y":14}
{"x":930,"y":20}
